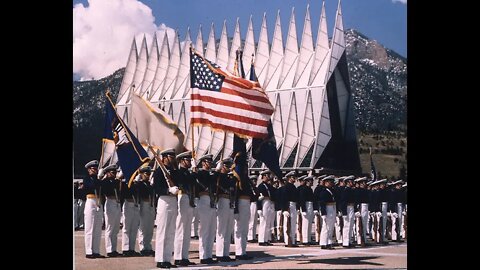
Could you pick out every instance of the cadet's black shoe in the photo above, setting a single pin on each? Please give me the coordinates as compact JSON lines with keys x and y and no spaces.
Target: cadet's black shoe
{"x":113,"y":254}
{"x":225,"y":259}
{"x":243,"y":257}
{"x":187,"y":262}
{"x":162,"y":265}
{"x":89,"y":256}
{"x":208,"y":261}
{"x":98,"y":256}
{"x":194,"y":237}
{"x":263,"y":244}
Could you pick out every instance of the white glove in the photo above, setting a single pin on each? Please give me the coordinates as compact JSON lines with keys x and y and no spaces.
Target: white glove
{"x":101,"y":173}
{"x":379,"y":214}
{"x":260,"y":197}
{"x":389,"y":214}
{"x":324,"y":219}
{"x":219,"y":166}
{"x":137,"y":178}
{"x":304,"y":214}
{"x":395,"y":215}
{"x":260,"y":213}
{"x":286,"y":214}
{"x":357,"y":214}
{"x":173,"y":190}
{"x":315,"y":212}
{"x":194,"y":163}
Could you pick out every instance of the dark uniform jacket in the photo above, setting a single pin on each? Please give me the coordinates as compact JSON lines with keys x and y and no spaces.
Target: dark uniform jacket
{"x":305,"y":194}
{"x":325,"y":196}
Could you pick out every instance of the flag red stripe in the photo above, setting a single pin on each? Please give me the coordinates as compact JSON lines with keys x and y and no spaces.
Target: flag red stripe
{"x":240,"y":131}
{"x":230,"y":116}
{"x":235,"y":105}
{"x":243,"y":83}
{"x":244,"y":95}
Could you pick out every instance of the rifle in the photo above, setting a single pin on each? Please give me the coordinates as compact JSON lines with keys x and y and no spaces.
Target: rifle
{"x":380,"y":229}
{"x":318,"y":229}
{"x":300,"y":223}
{"x":360,"y":231}
{"x":289,"y":228}
{"x":375,"y":227}
{"x":168,"y":178}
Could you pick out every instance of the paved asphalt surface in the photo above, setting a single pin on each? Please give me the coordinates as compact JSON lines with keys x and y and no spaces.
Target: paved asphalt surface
{"x":391,"y":256}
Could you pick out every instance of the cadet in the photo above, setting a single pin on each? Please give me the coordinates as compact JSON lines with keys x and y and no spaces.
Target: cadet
{"x":396,"y":209}
{"x":361,"y":200}
{"x":224,"y":211}
{"x":245,"y":193}
{"x":305,"y":195}
{"x":347,"y":207}
{"x":147,"y":211}
{"x":327,"y":203}
{"x":206,"y":208}
{"x":111,"y":190}
{"x":186,"y":204}
{"x":131,"y":217}
{"x":337,"y":192}
{"x":167,"y":208}
{"x":93,"y":211}
{"x":267,"y":213}
{"x":289,"y":207}
{"x":252,"y":223}
{"x":278,"y":209}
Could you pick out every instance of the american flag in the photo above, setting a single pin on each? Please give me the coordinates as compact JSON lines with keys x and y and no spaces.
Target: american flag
{"x":227,"y":102}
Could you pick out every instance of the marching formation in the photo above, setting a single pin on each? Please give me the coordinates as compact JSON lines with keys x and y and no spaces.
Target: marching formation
{"x":184,"y":200}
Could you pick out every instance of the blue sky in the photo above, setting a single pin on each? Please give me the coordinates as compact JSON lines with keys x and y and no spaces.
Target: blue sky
{"x":382,"y":20}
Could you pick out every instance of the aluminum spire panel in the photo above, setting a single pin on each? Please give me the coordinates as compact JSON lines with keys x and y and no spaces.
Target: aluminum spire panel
{"x":291,"y":131}
{"x":305,"y":59}
{"x":141,"y":67}
{"x":236,"y":45}
{"x":338,"y":42}
{"x":128,"y":75}
{"x":321,"y":59}
{"x":173,"y":67}
{"x":324,"y":133}
{"x":183,"y":78}
{"x":276,"y":57}
{"x":199,"y":43}
{"x":291,"y":56}
{"x":262,"y":55}
{"x":248,"y":48}
{"x":152,"y":64}
{"x":222,"y":53}
{"x":307,"y":136}
{"x":161,"y":73}
{"x":211,"y":52}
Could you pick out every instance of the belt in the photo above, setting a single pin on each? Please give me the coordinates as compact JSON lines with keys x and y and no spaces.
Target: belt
{"x":350,"y":204}
{"x":91,"y":196}
{"x":244,"y":197}
{"x":330,"y":203}
{"x":266,"y":198}
{"x":224,"y":196}
{"x":203,"y":193}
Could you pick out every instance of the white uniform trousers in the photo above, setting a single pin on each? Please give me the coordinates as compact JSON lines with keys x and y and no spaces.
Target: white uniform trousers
{"x":166,"y":216}
{"x":307,"y":223}
{"x":396,"y":222}
{"x":328,"y":226}
{"x":93,"y":226}
{"x":183,"y":228}
{"x":224,"y":227}
{"x":278,"y":218}
{"x":76,"y":213}
{"x":241,"y":226}
{"x":112,"y":224}
{"x":206,"y":228}
{"x":131,"y":222}
{"x":292,"y":209}
{"x":195,"y":220}
{"x":348,"y":221}
{"x":266,"y":221}
{"x":318,"y":224}
{"x":252,"y":223}
{"x":145,"y":231}
{"x":338,"y":229}
{"x":384,"y":221}
{"x":403,"y":223}
{"x":364,"y":219}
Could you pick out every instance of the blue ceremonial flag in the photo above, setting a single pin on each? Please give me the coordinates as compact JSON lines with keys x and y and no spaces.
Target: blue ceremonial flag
{"x":265,"y":150}
{"x":131,"y":155}
{"x":372,"y":167}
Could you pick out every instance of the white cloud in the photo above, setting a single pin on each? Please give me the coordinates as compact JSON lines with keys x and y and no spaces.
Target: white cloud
{"x":400,"y":1}
{"x":103,"y":33}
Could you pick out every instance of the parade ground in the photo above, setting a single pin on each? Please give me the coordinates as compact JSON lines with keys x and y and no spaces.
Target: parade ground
{"x":390,"y":256}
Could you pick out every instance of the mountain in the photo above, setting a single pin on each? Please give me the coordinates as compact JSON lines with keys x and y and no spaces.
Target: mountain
{"x":378,"y":79}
